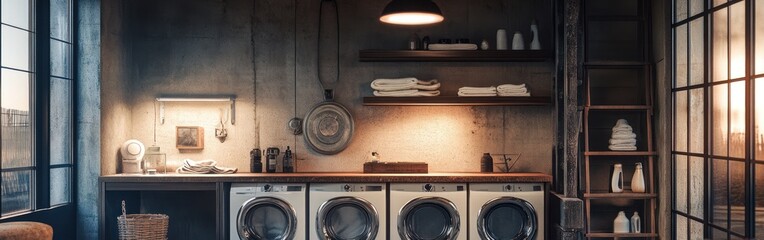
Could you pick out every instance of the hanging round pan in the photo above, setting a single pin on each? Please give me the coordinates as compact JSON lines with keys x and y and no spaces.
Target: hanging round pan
{"x":328,"y":126}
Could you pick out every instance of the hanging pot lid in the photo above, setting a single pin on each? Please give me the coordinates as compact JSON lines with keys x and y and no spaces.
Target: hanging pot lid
{"x":328,"y":127}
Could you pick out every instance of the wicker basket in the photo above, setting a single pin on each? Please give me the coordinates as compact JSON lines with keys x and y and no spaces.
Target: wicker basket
{"x":142,"y":226}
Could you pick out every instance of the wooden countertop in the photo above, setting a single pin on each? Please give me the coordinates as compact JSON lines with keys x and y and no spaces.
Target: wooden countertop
{"x":312,"y":177}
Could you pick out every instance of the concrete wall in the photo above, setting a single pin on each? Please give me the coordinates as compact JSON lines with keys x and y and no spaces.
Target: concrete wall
{"x":247,"y":48}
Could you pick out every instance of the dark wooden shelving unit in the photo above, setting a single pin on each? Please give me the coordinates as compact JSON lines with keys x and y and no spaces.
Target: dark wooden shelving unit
{"x":456,"y":101}
{"x":454,"y":56}
{"x":618,"y":85}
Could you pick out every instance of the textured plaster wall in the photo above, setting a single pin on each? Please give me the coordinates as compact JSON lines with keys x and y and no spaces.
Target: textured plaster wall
{"x":247,"y":48}
{"x":116,"y":124}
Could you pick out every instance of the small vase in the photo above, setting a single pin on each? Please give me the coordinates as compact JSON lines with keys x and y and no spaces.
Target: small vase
{"x":621,"y":223}
{"x":484,"y":45}
{"x":517,"y":42}
{"x":535,"y":44}
{"x":501,"y":39}
{"x":638,"y":180}
{"x":636,"y":224}
{"x":616,"y":179}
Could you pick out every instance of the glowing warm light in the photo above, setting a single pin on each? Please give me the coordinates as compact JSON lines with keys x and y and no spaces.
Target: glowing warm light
{"x":737,"y":107}
{"x":411,"y":18}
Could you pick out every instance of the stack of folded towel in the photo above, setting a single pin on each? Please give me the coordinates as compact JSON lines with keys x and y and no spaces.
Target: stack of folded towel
{"x":458,"y":46}
{"x":623,"y":138}
{"x":203,"y":166}
{"x":405,"y":87}
{"x":477,"y":91}
{"x":513,"y":90}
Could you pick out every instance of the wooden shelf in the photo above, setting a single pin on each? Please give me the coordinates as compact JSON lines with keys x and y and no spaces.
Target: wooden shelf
{"x":620,"y":107}
{"x":454,"y":56}
{"x":456,"y":101}
{"x":623,"y":195}
{"x":619,"y":153}
{"x":621,"y":235}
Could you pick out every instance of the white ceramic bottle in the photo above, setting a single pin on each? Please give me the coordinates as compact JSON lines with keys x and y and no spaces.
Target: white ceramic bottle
{"x":517,"y":41}
{"x":636,"y":223}
{"x":535,"y":44}
{"x":638,"y":180}
{"x":621,"y":223}
{"x":616,"y":182}
{"x":501,"y":39}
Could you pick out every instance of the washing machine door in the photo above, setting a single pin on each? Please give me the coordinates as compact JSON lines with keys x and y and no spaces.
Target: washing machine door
{"x":345,"y":218}
{"x":507,"y":218}
{"x":266,"y":218}
{"x":428,"y":218}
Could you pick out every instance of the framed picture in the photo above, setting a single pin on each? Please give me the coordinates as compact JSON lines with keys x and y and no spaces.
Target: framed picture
{"x":189,"y":137}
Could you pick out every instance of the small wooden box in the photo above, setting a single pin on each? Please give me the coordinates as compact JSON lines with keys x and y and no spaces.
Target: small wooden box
{"x":395,"y":167}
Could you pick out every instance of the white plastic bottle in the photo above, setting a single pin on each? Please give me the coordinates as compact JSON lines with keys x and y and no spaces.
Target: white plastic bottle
{"x":621,"y":223}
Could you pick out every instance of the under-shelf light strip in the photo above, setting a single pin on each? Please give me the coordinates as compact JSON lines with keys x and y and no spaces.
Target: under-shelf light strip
{"x":180,"y":99}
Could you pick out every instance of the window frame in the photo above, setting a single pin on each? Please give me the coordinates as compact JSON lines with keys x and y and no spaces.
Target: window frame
{"x":40,"y":107}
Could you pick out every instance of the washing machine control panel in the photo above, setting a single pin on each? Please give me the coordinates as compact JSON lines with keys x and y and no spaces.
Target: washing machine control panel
{"x":429,"y":187}
{"x":523,"y":187}
{"x":279,"y":188}
{"x":354,"y":188}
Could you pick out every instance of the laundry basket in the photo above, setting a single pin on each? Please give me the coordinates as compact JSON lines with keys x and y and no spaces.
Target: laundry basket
{"x":142,"y":226}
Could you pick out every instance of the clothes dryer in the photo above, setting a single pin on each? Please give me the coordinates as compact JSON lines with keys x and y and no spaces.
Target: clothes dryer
{"x":267,"y":211}
{"x":507,"y":211}
{"x":340,"y":211}
{"x":428,"y":211}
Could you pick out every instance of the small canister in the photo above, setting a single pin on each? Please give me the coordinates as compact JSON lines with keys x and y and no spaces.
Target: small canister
{"x":256,"y":159}
{"x":486,"y":163}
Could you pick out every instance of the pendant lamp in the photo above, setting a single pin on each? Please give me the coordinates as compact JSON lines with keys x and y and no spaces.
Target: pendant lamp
{"x":411,"y":12}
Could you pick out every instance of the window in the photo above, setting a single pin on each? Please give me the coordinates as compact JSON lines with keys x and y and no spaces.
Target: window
{"x":36,"y":113}
{"x":718,"y":119}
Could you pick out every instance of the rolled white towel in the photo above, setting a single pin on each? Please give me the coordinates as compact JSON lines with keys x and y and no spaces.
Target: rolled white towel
{"x":403,"y":84}
{"x":631,"y":141}
{"x":510,"y":86}
{"x":622,"y":128}
{"x":407,"y":93}
{"x":621,"y":122}
{"x":458,"y":46}
{"x":525,"y":94}
{"x":622,"y":148}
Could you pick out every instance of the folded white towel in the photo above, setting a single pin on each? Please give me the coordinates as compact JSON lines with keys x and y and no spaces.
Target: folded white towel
{"x":623,"y":136}
{"x":404,"y":84}
{"x":517,"y":90}
{"x":525,"y":94}
{"x":406,"y":93}
{"x":478,"y":89}
{"x":630,"y":141}
{"x":458,"y":46}
{"x":621,"y":122}
{"x":510,"y":86}
{"x":203,"y":166}
{"x":622,"y":148}
{"x":622,"y":128}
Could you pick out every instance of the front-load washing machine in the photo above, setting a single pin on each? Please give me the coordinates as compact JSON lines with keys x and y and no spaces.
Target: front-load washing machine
{"x":267,"y":211}
{"x":507,"y":211}
{"x":340,"y":211}
{"x":428,"y":211}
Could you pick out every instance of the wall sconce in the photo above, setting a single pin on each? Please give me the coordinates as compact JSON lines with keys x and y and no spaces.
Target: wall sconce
{"x":411,"y":12}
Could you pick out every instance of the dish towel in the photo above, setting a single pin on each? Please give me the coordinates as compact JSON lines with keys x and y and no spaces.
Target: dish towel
{"x":407,"y":93}
{"x":477,"y":91}
{"x":203,"y":167}
{"x":513,"y":90}
{"x":404,"y":84}
{"x":623,"y":137}
{"x":457,"y":46}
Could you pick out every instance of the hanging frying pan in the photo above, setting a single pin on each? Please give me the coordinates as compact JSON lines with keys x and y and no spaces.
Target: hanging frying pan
{"x":328,"y":126}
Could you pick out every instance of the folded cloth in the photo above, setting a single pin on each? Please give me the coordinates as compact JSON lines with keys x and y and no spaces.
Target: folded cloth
{"x":630,"y":141}
{"x":203,"y":166}
{"x":510,"y":86}
{"x":458,"y":46}
{"x":525,"y":94}
{"x":407,"y":93}
{"x":518,"y":90}
{"x":623,"y":136}
{"x":622,"y":148}
{"x":477,"y":91}
{"x":404,"y":84}
{"x":621,"y":122}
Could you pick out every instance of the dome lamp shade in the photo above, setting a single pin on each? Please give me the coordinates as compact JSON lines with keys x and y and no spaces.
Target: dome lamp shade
{"x":411,"y":12}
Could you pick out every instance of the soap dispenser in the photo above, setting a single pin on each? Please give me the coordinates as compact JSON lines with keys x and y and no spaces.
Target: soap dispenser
{"x":288,"y":161}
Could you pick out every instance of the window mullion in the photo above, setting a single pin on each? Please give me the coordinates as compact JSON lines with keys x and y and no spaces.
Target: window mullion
{"x":42,"y":105}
